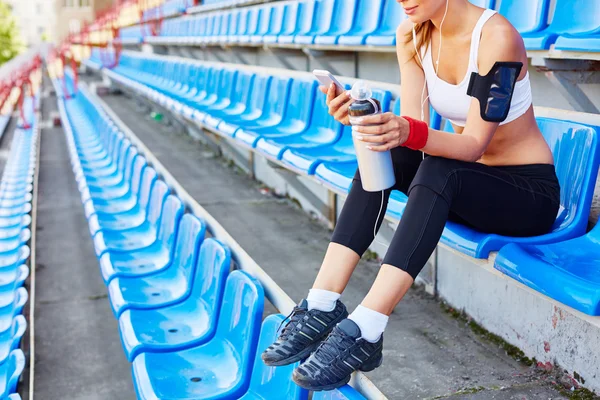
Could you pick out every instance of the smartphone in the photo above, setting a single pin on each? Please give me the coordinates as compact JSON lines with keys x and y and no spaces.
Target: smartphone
{"x":326,"y":79}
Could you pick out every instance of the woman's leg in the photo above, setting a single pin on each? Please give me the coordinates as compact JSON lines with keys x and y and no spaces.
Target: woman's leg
{"x":353,"y":233}
{"x":487,"y":198}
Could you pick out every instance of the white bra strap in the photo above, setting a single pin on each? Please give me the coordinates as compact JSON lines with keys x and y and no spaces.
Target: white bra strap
{"x":476,"y":37}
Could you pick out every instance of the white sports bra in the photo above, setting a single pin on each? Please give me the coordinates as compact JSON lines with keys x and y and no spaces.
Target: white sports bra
{"x":452,"y":102}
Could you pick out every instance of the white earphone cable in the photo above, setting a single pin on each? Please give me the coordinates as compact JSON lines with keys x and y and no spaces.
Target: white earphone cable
{"x":436,"y":69}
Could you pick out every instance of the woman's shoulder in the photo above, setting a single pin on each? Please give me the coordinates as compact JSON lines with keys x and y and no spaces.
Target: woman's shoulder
{"x":500,"y":35}
{"x":404,"y":45}
{"x":500,"y":41}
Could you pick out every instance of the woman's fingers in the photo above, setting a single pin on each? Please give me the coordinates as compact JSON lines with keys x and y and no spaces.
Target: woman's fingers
{"x":383,"y":147}
{"x":343,"y":110}
{"x":330,"y":94}
{"x":324,"y":89}
{"x":376,"y":119}
{"x":376,"y":129}
{"x":340,"y":100}
{"x":377,"y":138}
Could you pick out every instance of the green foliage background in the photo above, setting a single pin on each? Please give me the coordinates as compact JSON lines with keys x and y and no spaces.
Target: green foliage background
{"x":10,"y":38}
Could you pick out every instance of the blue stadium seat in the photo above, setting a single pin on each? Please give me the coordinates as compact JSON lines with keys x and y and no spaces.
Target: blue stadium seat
{"x":225,"y":23}
{"x":303,"y":24}
{"x":239,"y":101}
{"x":10,"y":372}
{"x":169,"y":286}
{"x":10,"y":309}
{"x":277,"y":14}
{"x":289,"y":23}
{"x":577,"y":23}
{"x":131,"y":218}
{"x":322,"y":20}
{"x":392,"y":16}
{"x":526,"y":16}
{"x":224,"y":92}
{"x":576,"y":156}
{"x":367,"y":18}
{"x":265,"y":17}
{"x":343,"y":16}
{"x":11,"y":338}
{"x":239,"y":25}
{"x":254,"y":109}
{"x":252,"y":26}
{"x":344,"y":393}
{"x":164,"y":212}
{"x":148,"y":260}
{"x":484,"y":3}
{"x":296,"y":118}
{"x":219,"y":369}
{"x":306,"y":159}
{"x":186,"y":324}
{"x":272,"y":382}
{"x":565,"y":271}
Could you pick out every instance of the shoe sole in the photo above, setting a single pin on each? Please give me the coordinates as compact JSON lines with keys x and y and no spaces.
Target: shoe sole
{"x":307,"y":351}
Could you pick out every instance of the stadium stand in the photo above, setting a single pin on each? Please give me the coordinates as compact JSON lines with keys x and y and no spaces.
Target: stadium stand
{"x":218,"y":319}
{"x":338,"y":24}
{"x":256,"y":125}
{"x":15,"y":207}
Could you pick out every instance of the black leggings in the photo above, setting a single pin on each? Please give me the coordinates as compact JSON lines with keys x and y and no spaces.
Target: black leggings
{"x":518,"y":200}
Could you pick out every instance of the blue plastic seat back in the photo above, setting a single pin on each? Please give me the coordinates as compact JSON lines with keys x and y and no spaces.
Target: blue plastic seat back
{"x":307,"y":16}
{"x":320,"y":116}
{"x":253,"y":16}
{"x":343,"y":15}
{"x":160,"y":190}
{"x":212,"y":269}
{"x":575,"y":150}
{"x":243,"y":20}
{"x":301,"y":99}
{"x":199,"y":26}
{"x":576,"y":17}
{"x":212,"y":81}
{"x":234,"y":21}
{"x":243,"y":87}
{"x":343,"y":393}
{"x":272,"y":382}
{"x":264,"y":20}
{"x":226,"y":83}
{"x":241,"y":313}
{"x":278,"y":95}
{"x":209,"y":24}
{"x":367,"y":16}
{"x":171,"y":214}
{"x":393,"y":15}
{"x":290,"y":20}
{"x":187,"y":245}
{"x":224,"y":22}
{"x":324,"y":15}
{"x":277,"y":14}
{"x":526,"y":16}
{"x":260,"y":91}
{"x":137,"y":173}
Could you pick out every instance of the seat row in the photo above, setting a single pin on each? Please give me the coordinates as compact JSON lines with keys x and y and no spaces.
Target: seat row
{"x":182,"y":314}
{"x":286,"y":120}
{"x":575,"y":25}
{"x":16,"y":187}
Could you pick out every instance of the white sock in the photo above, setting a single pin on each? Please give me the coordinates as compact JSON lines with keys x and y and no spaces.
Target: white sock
{"x":371,"y":323}
{"x":322,"y":300}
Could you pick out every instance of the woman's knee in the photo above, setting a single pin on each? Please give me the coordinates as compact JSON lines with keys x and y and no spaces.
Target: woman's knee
{"x":436,"y":173}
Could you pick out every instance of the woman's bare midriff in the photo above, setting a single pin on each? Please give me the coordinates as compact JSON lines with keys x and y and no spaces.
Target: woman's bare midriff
{"x":519,"y":142}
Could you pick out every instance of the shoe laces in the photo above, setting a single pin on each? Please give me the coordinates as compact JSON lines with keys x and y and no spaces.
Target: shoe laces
{"x":294,"y":318}
{"x":336,"y":343}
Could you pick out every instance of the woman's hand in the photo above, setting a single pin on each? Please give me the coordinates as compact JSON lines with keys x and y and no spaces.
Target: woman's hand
{"x":385,"y":132}
{"x":338,"y":104}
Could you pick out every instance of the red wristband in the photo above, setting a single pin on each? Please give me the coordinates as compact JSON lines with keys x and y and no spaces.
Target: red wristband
{"x":417,"y":135}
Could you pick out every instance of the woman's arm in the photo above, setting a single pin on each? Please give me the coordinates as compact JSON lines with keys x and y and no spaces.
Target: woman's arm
{"x":500,"y":43}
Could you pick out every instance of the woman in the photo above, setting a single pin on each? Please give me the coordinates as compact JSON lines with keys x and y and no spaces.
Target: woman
{"x":493,"y":177}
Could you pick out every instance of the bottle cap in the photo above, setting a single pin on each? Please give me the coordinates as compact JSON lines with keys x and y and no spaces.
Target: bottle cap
{"x":361,"y":91}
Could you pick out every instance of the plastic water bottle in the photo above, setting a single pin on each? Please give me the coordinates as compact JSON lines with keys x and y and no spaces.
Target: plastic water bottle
{"x":376,"y":168}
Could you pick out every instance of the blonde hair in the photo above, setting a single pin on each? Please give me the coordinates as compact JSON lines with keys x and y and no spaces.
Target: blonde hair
{"x":423,"y":32}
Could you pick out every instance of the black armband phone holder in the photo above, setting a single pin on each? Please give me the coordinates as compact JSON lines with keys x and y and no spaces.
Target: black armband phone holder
{"x":495,"y":90}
